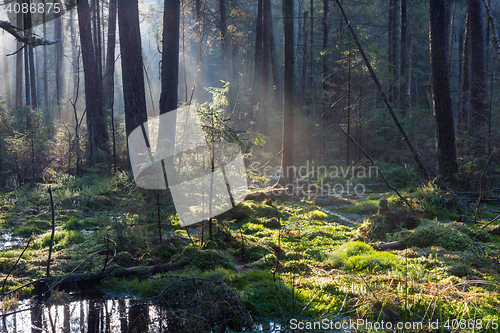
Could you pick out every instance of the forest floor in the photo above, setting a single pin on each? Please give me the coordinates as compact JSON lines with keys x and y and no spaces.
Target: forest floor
{"x":297,"y":262}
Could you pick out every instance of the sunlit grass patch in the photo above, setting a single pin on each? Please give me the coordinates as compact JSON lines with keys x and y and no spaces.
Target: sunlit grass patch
{"x":360,"y":256}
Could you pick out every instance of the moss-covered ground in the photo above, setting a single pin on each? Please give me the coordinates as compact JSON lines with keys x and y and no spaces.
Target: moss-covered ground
{"x":309,"y":259}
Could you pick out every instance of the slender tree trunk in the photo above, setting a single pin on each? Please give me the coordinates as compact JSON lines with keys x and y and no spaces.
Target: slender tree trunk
{"x":390,"y":50}
{"x":109,"y":74}
{"x":170,"y":57}
{"x":478,"y":79}
{"x":19,"y":67}
{"x":287,"y":155}
{"x":464,"y":97}
{"x":325,"y":99}
{"x":278,"y":90}
{"x":96,"y":122}
{"x":303,"y":83}
{"x":59,"y":63}
{"x":445,"y":133}
{"x":395,"y":53}
{"x":224,"y":48}
{"x":257,"y":71}
{"x":45,"y":72}
{"x":6,"y":73}
{"x":266,"y":9}
{"x":403,"y":92}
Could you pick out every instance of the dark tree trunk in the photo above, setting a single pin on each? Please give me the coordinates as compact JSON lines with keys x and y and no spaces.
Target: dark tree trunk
{"x":403,"y":95}
{"x":224,"y":48}
{"x":287,"y":155}
{"x":303,"y":82}
{"x":266,"y":9}
{"x":278,"y":87}
{"x":395,"y":53}
{"x":257,"y":71}
{"x":325,"y":99}
{"x":96,"y":122}
{"x":19,"y":67}
{"x":464,"y":96}
{"x":109,"y":74}
{"x":170,"y":57}
{"x":443,"y":112}
{"x":59,"y":62}
{"x":132,"y":73}
{"x":478,"y":79}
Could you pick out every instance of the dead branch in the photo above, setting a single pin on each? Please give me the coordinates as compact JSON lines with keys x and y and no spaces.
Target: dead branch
{"x":392,"y":246}
{"x":19,"y":258}
{"x":421,"y":167}
{"x":380,"y":171}
{"x":27,"y":39}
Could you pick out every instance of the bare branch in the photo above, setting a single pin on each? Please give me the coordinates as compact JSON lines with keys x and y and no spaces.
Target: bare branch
{"x":27,"y":39}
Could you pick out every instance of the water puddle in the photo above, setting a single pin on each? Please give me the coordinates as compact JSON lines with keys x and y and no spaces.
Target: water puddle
{"x":8,"y":241}
{"x":88,"y":316}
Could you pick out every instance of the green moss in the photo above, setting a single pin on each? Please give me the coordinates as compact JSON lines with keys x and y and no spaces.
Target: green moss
{"x":435,"y":234}
{"x":361,"y":207}
{"x":204,"y":259}
{"x":360,"y":256}
{"x":15,"y":253}
{"x":26,"y":231}
{"x":316,"y":215}
{"x":254,"y":252}
{"x":62,"y":238}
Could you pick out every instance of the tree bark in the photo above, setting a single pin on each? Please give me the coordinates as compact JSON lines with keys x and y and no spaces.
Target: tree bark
{"x":403,"y":92}
{"x":257,"y":71}
{"x":109,"y":74}
{"x":96,"y":122}
{"x":445,"y":133}
{"x":287,"y":155}
{"x":132,"y":72}
{"x":303,"y":82}
{"x":170,"y":57}
{"x":478,"y":79}
{"x":266,"y":9}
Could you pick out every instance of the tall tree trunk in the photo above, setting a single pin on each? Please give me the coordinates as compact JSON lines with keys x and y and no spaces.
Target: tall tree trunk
{"x":325,"y":99}
{"x":395,"y":53}
{"x":19,"y":66}
{"x":223,"y":34}
{"x":278,"y":90}
{"x":403,"y":92}
{"x":45,"y":72}
{"x":170,"y":57}
{"x":96,"y":122}
{"x":445,"y":133}
{"x":303,"y":83}
{"x":390,"y":51}
{"x":287,"y":143}
{"x":257,"y":70}
{"x":6,"y":73}
{"x":132,"y":72}
{"x":109,"y":74}
{"x":478,"y":78}
{"x":266,"y":9}
{"x":464,"y":101}
{"x":59,"y":62}
{"x":311,"y":85}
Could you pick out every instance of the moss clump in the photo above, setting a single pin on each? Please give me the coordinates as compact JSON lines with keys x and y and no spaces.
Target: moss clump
{"x":254,"y":252}
{"x":360,"y":256}
{"x":26,"y":231}
{"x":316,"y":215}
{"x":385,"y":222}
{"x":203,"y":259}
{"x":72,"y":224}
{"x":62,"y":238}
{"x":436,"y":234}
{"x":460,"y":270}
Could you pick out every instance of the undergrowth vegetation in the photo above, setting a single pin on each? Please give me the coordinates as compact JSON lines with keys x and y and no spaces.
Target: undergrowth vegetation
{"x":312,"y":259}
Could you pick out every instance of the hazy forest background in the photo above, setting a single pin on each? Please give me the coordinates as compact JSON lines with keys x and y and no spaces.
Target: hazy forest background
{"x":411,"y":86}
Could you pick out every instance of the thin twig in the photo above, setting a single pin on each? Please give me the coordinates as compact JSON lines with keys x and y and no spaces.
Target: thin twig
{"x":496,"y":218}
{"x":19,"y":258}
{"x":380,"y":171}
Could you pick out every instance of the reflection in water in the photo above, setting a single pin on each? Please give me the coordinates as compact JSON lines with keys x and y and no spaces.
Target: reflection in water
{"x":88,"y":316}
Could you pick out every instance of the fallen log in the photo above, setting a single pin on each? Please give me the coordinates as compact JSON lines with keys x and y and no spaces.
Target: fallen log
{"x":495,"y":231}
{"x":392,"y":246}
